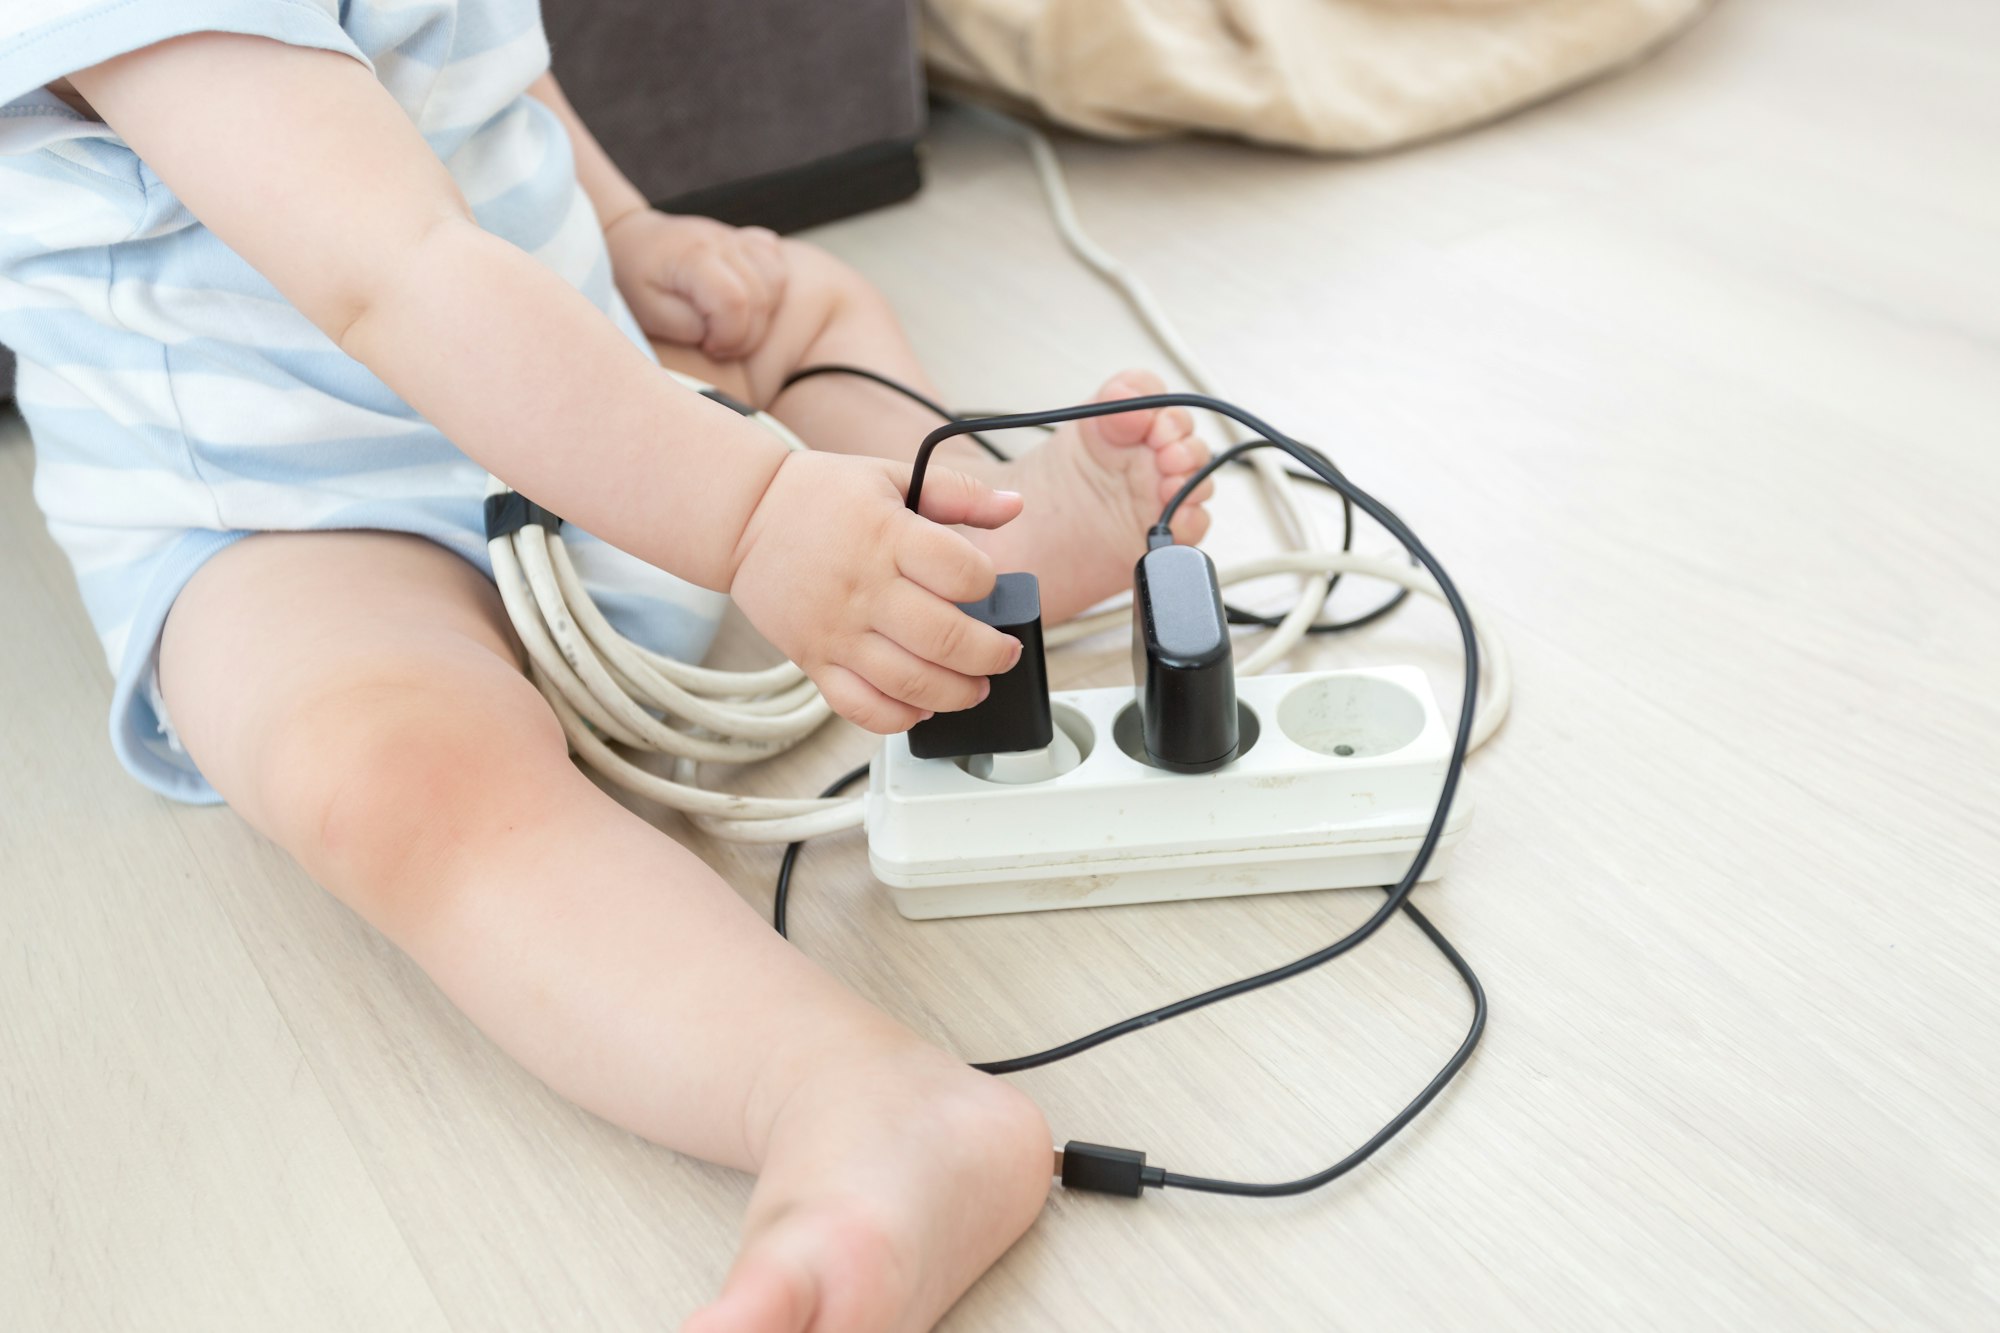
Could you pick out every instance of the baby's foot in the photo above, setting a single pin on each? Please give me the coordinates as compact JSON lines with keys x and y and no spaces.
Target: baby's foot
{"x":1093,"y":488}
{"x":887,"y":1188}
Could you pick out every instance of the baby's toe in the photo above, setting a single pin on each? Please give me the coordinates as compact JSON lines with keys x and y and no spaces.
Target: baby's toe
{"x":759,"y":1298}
{"x":1173,"y":460}
{"x":1173,"y":426}
{"x":1177,"y":450}
{"x":1126,"y":429}
{"x":1190,"y":525}
{"x":1200,"y":495}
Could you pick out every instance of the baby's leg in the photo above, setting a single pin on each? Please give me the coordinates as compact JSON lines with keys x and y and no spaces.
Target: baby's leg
{"x":1092,"y":488}
{"x":830,"y":314}
{"x":357,"y":698}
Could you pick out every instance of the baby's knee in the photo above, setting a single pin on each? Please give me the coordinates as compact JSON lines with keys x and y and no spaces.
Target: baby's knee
{"x":387,"y":783}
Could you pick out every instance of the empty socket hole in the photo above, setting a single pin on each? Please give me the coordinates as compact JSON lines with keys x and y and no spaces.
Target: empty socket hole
{"x":1130,"y":734}
{"x":1353,"y":717}
{"x":1076,"y":726}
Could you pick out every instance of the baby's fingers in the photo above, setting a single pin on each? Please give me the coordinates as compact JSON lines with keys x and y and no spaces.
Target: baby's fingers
{"x":672,"y":318}
{"x":767,"y":254}
{"x":760,"y":296}
{"x":953,"y":497}
{"x":942,"y":561}
{"x":939,"y":632}
{"x":908,"y":678}
{"x":864,"y":705}
{"x":724,"y":298}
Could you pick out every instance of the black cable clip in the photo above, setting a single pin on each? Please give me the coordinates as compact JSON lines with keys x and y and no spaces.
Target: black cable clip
{"x":510,"y":511}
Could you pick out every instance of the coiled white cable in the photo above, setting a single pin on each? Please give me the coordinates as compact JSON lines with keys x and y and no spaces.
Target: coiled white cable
{"x":608,"y":691}
{"x":605,"y":689}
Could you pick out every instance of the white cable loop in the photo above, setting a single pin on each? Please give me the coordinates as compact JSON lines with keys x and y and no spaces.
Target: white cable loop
{"x":595,"y":676}
{"x":689,"y":799}
{"x":546,"y":658}
{"x":748,"y":720}
{"x":607,"y":690}
{"x":848,"y":814}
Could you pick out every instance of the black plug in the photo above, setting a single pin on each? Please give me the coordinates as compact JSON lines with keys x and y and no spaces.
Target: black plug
{"x":1182,"y":663}
{"x":1102,"y":1170}
{"x":1015,"y":715}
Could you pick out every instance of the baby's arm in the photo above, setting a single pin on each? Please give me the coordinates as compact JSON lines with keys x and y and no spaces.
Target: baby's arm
{"x":307,"y":168}
{"x":302,"y":163}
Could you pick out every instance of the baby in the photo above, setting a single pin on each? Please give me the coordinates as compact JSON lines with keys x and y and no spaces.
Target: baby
{"x":286,"y":278}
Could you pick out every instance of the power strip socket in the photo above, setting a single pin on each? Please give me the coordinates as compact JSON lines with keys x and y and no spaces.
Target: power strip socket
{"x":1336,"y":783}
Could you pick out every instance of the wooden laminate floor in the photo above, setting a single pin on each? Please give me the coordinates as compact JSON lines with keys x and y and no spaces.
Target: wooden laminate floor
{"x":1692,"y":378}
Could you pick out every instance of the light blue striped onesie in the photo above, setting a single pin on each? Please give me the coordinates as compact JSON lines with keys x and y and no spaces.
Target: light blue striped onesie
{"x":177,"y":403}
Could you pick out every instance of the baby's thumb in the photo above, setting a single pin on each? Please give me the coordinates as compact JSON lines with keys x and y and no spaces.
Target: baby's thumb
{"x":672,"y":318}
{"x":953,"y":497}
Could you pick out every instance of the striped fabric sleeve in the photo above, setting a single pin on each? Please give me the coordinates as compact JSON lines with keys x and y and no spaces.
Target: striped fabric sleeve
{"x":45,"y":40}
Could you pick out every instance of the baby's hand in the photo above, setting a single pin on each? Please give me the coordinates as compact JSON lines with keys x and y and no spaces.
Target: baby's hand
{"x":848,"y":583}
{"x":697,"y":282}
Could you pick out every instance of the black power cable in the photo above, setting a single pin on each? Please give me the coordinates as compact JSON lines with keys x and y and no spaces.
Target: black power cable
{"x":1236,"y":615}
{"x":1122,"y":1171}
{"x":916,"y":396}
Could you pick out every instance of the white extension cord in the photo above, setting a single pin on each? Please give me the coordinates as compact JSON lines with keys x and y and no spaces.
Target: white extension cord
{"x":608,"y":691}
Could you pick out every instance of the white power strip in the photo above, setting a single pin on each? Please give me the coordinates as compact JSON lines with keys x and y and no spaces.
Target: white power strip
{"x":1335,"y":791}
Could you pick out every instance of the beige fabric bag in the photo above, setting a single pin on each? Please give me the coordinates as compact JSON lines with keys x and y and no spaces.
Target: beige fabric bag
{"x":1335,"y":75}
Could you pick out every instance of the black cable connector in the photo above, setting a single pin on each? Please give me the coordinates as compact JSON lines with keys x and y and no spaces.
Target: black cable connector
{"x":1102,"y":1170}
{"x":510,"y":511}
{"x":733,"y":403}
{"x":922,"y":400}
